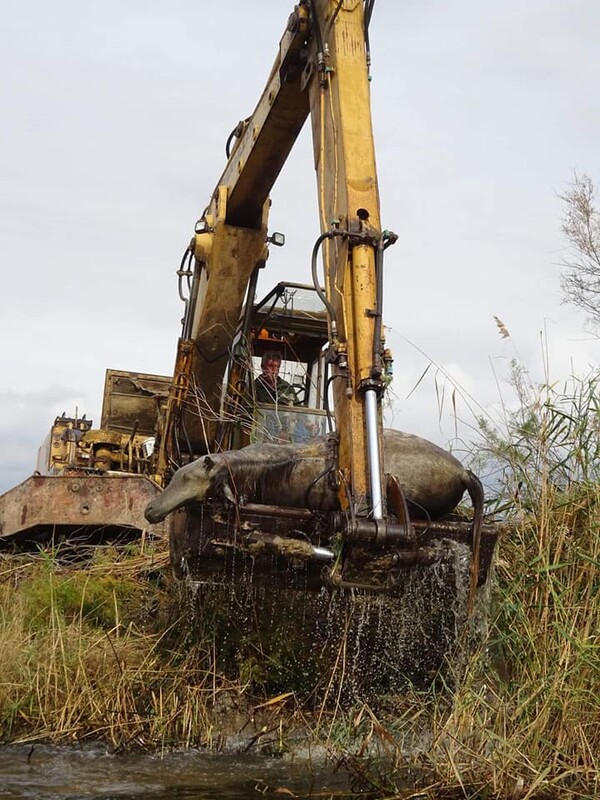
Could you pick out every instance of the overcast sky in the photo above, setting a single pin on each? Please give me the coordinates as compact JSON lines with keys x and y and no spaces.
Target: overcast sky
{"x":115,"y":117}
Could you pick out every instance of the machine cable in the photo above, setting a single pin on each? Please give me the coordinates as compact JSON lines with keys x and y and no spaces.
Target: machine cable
{"x":328,"y":383}
{"x":185,"y":271}
{"x":367,"y":18}
{"x":386,"y":239}
{"x":329,"y":25}
{"x":236,"y":133}
{"x":313,"y":261}
{"x":313,"y":483}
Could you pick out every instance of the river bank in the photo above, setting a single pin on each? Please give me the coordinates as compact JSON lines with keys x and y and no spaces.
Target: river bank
{"x":110,"y":649}
{"x":105,"y":646}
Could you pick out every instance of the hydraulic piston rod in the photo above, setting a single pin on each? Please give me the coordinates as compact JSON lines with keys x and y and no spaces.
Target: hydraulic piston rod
{"x":373,"y":453}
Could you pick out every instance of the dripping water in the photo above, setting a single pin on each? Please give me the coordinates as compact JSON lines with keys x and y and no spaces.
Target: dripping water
{"x":347,"y":644}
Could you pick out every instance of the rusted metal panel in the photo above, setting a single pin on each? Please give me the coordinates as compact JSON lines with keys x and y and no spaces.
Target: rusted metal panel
{"x":78,"y":500}
{"x":133,"y":399}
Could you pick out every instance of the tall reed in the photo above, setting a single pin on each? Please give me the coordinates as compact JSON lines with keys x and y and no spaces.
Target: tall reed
{"x":522,"y":720}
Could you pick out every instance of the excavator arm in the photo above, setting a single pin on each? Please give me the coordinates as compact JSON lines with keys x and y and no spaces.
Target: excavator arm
{"x":321,"y":69}
{"x":351,"y":236}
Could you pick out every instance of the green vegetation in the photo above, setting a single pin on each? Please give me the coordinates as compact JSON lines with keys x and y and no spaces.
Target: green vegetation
{"x":114,"y":649}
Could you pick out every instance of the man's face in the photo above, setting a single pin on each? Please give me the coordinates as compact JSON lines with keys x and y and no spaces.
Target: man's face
{"x":270,"y":370}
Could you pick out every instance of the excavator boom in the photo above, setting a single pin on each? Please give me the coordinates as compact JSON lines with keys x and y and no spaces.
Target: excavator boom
{"x":321,"y":69}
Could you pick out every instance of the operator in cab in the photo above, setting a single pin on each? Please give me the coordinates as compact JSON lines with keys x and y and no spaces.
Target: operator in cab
{"x":269,"y":387}
{"x":279,"y":424}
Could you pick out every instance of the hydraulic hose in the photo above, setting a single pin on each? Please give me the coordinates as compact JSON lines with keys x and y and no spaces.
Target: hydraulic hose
{"x":386,"y":239}
{"x":185,"y":271}
{"x":315,"y":277}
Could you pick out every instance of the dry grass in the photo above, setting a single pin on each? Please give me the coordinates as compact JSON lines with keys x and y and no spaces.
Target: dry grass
{"x":114,"y":649}
{"x":88,"y":651}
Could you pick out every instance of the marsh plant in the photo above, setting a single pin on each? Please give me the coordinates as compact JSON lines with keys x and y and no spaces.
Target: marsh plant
{"x":523,"y":719}
{"x":550,"y":441}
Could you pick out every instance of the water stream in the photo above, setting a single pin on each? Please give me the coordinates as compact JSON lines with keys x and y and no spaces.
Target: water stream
{"x":45,"y":772}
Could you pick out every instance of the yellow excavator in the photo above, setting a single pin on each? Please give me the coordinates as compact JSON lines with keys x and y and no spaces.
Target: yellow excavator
{"x":328,"y":338}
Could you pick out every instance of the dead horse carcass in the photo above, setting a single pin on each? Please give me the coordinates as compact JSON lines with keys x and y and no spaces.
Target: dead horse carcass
{"x":294,"y":475}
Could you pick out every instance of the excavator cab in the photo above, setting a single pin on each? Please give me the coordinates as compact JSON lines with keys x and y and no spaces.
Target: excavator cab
{"x":287,"y":327}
